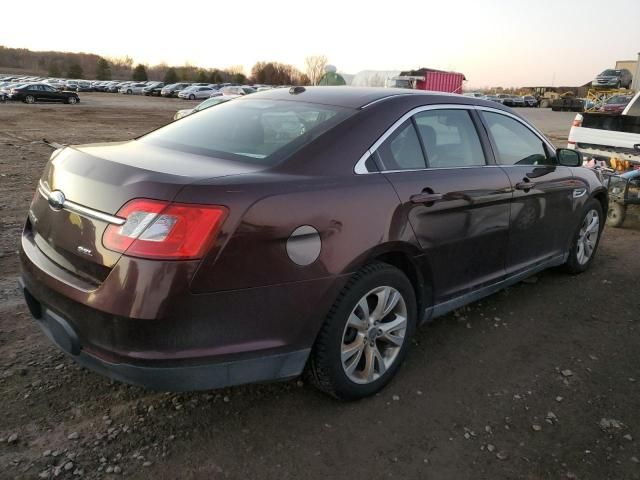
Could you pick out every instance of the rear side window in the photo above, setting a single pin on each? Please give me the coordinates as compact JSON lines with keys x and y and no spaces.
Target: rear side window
{"x":516,"y":144}
{"x":258,"y":131}
{"x":449,"y":138}
{"x":402,"y":150}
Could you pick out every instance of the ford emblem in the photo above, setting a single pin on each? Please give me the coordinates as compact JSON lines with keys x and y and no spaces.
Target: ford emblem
{"x":56,"y":200}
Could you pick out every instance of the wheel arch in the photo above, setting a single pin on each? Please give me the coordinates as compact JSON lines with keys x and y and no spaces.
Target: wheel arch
{"x":603,"y":198}
{"x":409,"y":260}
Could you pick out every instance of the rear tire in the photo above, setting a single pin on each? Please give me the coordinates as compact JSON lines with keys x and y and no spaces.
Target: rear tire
{"x":586,"y":239}
{"x":616,"y":215}
{"x":370,"y":325}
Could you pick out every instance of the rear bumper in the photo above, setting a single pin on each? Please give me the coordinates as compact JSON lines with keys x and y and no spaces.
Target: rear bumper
{"x":138,"y":332}
{"x":203,"y":376}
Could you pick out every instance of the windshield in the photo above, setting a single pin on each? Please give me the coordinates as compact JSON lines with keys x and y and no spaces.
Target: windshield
{"x":611,"y":73}
{"x":259,"y":131}
{"x":618,"y":100}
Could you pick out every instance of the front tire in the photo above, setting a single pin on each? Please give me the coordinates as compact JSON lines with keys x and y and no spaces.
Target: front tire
{"x":192,"y":97}
{"x":366,"y":334}
{"x":72,"y":100}
{"x":616,"y":214}
{"x":29,"y":99}
{"x":587,"y":238}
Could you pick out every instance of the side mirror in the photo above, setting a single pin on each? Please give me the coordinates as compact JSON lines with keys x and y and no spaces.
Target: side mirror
{"x":569,"y":158}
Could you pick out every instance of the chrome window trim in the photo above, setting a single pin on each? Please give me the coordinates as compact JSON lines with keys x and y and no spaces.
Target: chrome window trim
{"x":78,"y":209}
{"x":527,"y":125}
{"x":361,"y":169}
{"x":394,"y":95}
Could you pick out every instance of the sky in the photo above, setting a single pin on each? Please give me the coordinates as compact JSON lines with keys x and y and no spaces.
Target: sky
{"x":493,"y":42}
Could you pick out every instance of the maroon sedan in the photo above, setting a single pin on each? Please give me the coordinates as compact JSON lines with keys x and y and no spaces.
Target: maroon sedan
{"x":616,"y":104}
{"x":304,"y":229}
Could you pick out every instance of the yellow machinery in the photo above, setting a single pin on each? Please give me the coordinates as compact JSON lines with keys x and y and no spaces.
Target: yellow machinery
{"x":597,"y":97}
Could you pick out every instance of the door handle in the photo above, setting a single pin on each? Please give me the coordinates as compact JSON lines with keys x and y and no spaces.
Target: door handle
{"x":426,"y":197}
{"x":525,"y":185}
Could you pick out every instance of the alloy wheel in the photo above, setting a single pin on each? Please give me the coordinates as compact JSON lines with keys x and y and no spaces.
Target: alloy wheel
{"x":30,"y":99}
{"x":374,"y":335}
{"x":588,"y":236}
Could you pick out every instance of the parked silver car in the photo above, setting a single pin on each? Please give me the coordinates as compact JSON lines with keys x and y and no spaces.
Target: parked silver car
{"x":613,"y":78}
{"x":197,"y":92}
{"x":133,"y":88}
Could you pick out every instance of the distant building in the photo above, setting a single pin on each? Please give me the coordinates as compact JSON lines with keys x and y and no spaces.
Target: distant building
{"x":373,"y":78}
{"x":634,"y":67}
{"x":631,"y":65}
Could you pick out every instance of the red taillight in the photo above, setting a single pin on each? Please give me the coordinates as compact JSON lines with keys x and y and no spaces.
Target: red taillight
{"x":162,"y":230}
{"x":577,"y":122}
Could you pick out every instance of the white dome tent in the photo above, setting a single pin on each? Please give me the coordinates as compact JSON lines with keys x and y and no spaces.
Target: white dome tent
{"x":373,"y":78}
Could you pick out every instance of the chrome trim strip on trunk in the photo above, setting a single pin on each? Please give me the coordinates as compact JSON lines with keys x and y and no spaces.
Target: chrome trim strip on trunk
{"x":81,"y":210}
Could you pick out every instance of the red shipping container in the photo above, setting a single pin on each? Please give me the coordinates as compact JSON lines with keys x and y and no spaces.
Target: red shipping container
{"x":435,"y":80}
{"x":450,"y":82}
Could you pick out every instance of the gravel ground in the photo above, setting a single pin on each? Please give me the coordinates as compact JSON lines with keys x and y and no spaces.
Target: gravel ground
{"x":540,"y":381}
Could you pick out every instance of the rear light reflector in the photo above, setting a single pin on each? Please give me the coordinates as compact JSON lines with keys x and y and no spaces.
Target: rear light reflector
{"x":577,"y":122}
{"x":163,"y":230}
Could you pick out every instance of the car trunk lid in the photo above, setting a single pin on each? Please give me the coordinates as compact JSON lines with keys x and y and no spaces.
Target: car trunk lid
{"x":96,"y":181}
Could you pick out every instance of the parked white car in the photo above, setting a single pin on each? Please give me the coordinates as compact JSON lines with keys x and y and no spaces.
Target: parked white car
{"x":133,"y":88}
{"x":197,"y":92}
{"x":237,"y":90}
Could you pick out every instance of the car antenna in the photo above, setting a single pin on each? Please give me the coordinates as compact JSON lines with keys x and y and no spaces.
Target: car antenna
{"x":296,"y":90}
{"x":54,"y":145}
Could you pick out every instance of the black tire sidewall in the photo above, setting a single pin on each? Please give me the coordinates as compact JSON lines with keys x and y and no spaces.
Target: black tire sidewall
{"x":572,"y":262}
{"x":621,"y":211}
{"x":387,"y":276}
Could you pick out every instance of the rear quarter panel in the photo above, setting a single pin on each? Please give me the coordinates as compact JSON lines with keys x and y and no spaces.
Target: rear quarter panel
{"x":353,"y":215}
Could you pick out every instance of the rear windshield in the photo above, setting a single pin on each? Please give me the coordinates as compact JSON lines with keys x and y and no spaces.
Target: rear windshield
{"x":251,"y":130}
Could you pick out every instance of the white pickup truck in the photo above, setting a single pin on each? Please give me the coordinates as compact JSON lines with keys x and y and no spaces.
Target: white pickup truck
{"x":612,"y":141}
{"x":602,"y":136}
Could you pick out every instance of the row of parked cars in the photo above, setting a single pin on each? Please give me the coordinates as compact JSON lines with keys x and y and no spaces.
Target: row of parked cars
{"x":506,"y":99}
{"x":184,"y":90}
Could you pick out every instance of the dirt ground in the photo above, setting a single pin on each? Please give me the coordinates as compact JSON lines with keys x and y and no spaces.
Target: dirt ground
{"x":541,"y":381}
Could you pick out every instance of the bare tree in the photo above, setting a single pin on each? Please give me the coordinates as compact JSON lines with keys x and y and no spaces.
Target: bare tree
{"x":235,"y":69}
{"x":314,"y":67}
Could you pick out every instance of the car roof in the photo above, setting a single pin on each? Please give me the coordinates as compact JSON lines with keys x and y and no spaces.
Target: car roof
{"x":351,"y":97}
